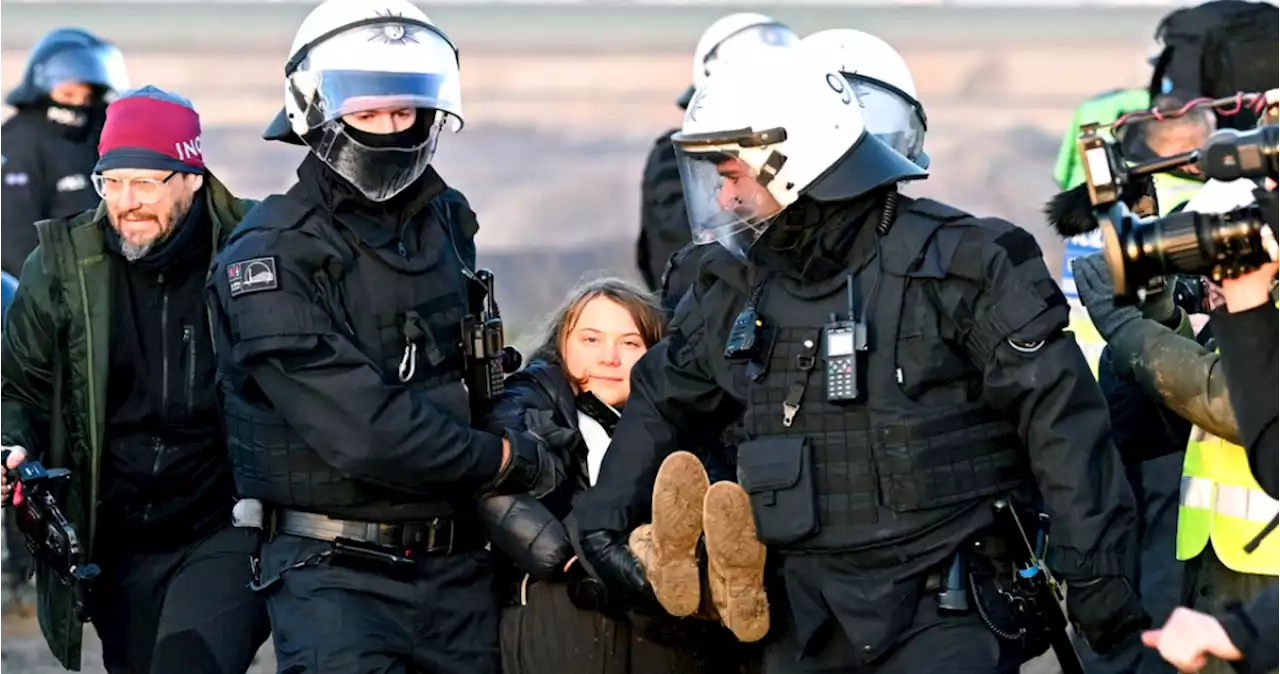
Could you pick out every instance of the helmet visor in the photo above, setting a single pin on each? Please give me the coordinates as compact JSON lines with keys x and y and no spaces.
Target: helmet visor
{"x":728,"y":200}
{"x":890,"y":115}
{"x":379,"y":67}
{"x":99,"y":66}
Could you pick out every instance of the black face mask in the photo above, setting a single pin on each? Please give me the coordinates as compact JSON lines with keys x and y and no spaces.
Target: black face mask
{"x":410,"y":137}
{"x":77,"y":122}
{"x":379,"y":166}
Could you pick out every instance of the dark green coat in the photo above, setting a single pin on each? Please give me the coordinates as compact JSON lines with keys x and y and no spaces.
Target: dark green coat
{"x":54,"y":368}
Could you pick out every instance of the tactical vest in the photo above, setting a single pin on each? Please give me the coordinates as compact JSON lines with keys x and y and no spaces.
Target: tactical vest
{"x":407,"y":324}
{"x":886,"y":467}
{"x":1221,"y":502}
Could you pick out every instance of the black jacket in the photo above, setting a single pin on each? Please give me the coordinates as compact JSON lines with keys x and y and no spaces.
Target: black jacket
{"x":528,"y":531}
{"x":167,"y":477}
{"x":994,"y":290}
{"x":46,"y":169}
{"x":1247,"y":342}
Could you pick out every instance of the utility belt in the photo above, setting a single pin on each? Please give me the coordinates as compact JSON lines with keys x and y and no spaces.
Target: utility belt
{"x":391,"y":549}
{"x":1000,"y":575}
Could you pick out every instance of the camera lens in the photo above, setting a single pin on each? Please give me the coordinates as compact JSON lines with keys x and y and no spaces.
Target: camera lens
{"x":1186,"y":242}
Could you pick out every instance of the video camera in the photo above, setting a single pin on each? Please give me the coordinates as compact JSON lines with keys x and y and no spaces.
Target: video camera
{"x":489,"y":358}
{"x":1139,"y":250}
{"x":50,"y":536}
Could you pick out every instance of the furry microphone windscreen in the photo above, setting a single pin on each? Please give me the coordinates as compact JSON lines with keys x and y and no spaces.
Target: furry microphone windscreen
{"x":1070,"y":213}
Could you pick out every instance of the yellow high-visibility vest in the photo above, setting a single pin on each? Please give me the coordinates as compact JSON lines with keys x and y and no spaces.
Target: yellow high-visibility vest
{"x":1221,"y":502}
{"x":1172,"y":190}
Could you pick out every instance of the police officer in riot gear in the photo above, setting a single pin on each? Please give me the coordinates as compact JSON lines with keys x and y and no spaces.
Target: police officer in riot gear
{"x":51,"y":144}
{"x":337,"y":308}
{"x":902,"y":366}
{"x":664,"y":226}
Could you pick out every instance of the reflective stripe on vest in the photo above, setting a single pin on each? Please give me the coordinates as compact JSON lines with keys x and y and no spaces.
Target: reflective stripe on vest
{"x":1220,"y":501}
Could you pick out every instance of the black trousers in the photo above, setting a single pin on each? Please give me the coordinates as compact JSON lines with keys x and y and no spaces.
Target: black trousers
{"x":551,"y":635}
{"x":932,"y":643}
{"x":332,"y":619}
{"x":188,"y":611}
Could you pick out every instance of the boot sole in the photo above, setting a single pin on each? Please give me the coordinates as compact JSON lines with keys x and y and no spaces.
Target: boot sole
{"x":736,"y":556}
{"x":678,"y":493}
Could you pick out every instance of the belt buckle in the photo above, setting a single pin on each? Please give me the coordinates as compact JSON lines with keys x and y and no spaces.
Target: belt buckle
{"x":433,"y":529}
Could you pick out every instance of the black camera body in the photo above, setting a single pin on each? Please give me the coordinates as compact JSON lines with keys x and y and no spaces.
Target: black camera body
{"x":50,"y":536}
{"x":1218,"y":245}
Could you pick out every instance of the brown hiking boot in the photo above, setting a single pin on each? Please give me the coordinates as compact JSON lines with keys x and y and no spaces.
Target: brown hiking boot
{"x":735,"y":562}
{"x":672,"y":567}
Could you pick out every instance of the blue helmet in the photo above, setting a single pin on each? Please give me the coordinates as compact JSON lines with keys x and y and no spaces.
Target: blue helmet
{"x":8,"y":288}
{"x":70,"y":55}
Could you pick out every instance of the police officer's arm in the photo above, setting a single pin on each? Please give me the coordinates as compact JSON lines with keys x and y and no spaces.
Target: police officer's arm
{"x":334,"y":397}
{"x":1178,"y":371}
{"x":23,"y":193}
{"x":675,"y":403}
{"x":27,"y":361}
{"x":1248,"y":340}
{"x":1036,"y":373}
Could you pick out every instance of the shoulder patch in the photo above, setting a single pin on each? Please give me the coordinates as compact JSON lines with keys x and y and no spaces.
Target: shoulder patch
{"x":251,"y":276}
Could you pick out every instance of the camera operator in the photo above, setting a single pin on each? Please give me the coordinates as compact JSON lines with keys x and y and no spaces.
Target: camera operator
{"x":1223,"y":509}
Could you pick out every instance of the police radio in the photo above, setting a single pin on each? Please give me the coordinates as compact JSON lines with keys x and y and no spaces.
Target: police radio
{"x":489,"y":358}
{"x":746,"y":336}
{"x":844,"y":344}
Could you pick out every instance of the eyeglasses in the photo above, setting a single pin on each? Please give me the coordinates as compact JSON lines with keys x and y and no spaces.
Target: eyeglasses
{"x":145,"y":191}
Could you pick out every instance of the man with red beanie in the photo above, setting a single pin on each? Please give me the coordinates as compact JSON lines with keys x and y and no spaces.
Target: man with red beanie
{"x":108,"y":370}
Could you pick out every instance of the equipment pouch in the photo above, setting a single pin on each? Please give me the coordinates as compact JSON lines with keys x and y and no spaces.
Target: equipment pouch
{"x":777,"y":473}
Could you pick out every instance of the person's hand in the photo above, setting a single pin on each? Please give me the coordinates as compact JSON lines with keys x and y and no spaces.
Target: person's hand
{"x":618,"y":570}
{"x":14,"y":457}
{"x":1250,"y":290}
{"x":1097,"y":293}
{"x":1106,"y":611}
{"x":1188,"y":638}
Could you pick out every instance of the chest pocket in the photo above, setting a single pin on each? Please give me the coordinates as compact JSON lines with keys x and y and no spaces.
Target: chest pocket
{"x":928,"y":366}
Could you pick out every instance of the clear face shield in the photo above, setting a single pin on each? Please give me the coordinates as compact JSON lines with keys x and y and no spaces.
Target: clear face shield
{"x":726,"y":191}
{"x":748,"y":41}
{"x":891,"y":115}
{"x":362,"y":83}
{"x":100,"y":66}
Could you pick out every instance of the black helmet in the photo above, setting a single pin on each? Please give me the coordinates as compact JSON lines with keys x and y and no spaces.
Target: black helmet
{"x":69,"y":55}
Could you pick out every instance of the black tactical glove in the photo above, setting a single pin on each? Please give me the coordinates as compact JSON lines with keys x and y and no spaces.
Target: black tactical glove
{"x":541,"y":424}
{"x":1106,"y":611}
{"x":618,"y":569}
{"x":586,"y":591}
{"x":533,"y":468}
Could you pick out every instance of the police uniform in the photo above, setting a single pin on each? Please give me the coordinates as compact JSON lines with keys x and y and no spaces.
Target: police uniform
{"x":50,"y":149}
{"x":338,"y":311}
{"x":967,"y":391}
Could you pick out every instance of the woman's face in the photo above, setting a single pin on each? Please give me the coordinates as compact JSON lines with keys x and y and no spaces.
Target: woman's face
{"x":601,"y":348}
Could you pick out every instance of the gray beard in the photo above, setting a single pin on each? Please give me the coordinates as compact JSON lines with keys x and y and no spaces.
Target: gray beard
{"x":134,"y":252}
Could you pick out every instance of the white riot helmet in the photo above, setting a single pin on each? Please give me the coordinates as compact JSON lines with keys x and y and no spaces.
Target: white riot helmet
{"x":884,"y":86}
{"x":761,"y":133}
{"x":731,"y":37}
{"x":353,"y":56}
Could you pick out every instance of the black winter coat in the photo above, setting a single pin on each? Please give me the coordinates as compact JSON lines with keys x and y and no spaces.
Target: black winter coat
{"x":528,"y":531}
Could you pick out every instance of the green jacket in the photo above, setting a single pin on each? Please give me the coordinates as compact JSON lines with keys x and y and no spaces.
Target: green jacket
{"x":1173,"y":368}
{"x":53,"y":376}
